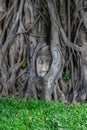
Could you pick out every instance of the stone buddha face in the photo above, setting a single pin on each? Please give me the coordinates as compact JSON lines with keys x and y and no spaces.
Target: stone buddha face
{"x":43,"y":63}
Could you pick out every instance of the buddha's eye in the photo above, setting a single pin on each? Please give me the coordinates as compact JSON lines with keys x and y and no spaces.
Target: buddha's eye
{"x":40,"y":61}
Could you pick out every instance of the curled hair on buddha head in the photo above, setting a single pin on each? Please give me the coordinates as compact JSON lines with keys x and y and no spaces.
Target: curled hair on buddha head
{"x":45,"y":51}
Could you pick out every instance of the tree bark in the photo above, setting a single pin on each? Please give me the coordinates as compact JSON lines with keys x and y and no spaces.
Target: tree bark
{"x":43,"y":49}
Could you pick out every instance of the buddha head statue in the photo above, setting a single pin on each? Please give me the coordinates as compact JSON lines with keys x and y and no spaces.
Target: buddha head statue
{"x":43,"y":61}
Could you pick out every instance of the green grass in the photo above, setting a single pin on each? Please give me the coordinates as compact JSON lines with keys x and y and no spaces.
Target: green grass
{"x":18,"y":114}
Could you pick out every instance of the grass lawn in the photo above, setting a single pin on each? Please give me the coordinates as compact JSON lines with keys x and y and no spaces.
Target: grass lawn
{"x":18,"y":114}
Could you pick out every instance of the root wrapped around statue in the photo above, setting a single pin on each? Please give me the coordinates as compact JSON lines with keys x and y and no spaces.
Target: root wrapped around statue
{"x":43,"y":49}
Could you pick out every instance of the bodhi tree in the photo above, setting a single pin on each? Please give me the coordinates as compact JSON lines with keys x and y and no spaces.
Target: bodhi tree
{"x":43,"y":49}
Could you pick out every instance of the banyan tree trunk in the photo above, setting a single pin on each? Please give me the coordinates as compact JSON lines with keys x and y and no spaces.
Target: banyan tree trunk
{"x":43,"y":49}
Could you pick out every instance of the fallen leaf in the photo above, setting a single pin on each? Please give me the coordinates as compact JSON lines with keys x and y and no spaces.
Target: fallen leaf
{"x":30,"y":117}
{"x":60,"y":129}
{"x":47,"y":119}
